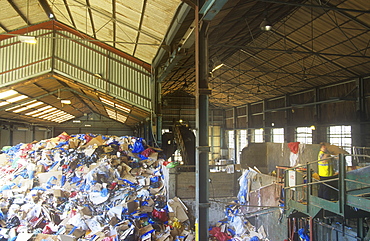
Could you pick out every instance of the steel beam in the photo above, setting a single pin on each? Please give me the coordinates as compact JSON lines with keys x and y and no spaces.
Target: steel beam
{"x":69,"y":13}
{"x":47,"y":9}
{"x":211,"y":8}
{"x":317,"y":6}
{"x":11,"y":2}
{"x":291,"y":51}
{"x":91,"y":18}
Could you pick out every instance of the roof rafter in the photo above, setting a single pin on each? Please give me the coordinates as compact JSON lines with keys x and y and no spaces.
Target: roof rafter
{"x":122,"y":22}
{"x":3,"y":27}
{"x":47,"y":9}
{"x":307,"y":49}
{"x":19,"y":11}
{"x":140,"y":25}
{"x":91,"y":18}
{"x":114,"y":22}
{"x":69,"y":13}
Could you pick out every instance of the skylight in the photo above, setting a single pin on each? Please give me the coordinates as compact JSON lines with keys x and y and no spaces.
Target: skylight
{"x":114,"y":114}
{"x":46,"y":112}
{"x":8,"y":93}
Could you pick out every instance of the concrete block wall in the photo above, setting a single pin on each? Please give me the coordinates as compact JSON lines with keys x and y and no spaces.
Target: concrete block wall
{"x":182,"y":184}
{"x":266,"y":156}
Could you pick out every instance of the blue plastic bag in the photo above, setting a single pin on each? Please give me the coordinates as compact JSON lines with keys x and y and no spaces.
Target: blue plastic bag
{"x":138,"y":146}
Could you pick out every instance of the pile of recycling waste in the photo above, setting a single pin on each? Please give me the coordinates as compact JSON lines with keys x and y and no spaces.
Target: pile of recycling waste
{"x":87,"y":187}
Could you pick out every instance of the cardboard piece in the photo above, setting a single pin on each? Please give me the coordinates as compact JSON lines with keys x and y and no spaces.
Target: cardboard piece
{"x":334,"y":150}
{"x":145,"y":229}
{"x":44,"y":177}
{"x":41,"y":237}
{"x":95,"y":141}
{"x":178,"y":208}
{"x":3,"y":159}
{"x":66,"y":238}
{"x":164,"y":237}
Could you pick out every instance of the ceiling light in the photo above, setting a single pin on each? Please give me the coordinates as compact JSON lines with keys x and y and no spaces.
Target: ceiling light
{"x":76,"y":121}
{"x":265,"y":25}
{"x":313,"y":127}
{"x":66,"y":102}
{"x":7,"y":93}
{"x":27,"y":39}
{"x":87,"y":125}
{"x":217,"y":67}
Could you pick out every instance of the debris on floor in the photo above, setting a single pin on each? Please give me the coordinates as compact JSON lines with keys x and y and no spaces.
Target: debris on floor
{"x":236,"y":228}
{"x":87,"y":187}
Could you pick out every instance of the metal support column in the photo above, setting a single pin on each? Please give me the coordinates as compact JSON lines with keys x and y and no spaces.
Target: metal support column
{"x":158,"y":110}
{"x":342,"y":184}
{"x":202,"y":92}
{"x":235,"y":126}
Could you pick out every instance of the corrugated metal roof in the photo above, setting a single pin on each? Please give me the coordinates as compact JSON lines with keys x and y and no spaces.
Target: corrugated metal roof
{"x":311,"y":44}
{"x":135,"y":27}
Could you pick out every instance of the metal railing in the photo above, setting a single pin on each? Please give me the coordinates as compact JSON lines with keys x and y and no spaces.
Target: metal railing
{"x":350,"y":188}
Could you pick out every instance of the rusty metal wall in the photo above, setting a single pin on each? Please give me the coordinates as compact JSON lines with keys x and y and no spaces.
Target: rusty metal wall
{"x":20,"y":61}
{"x":96,"y":67}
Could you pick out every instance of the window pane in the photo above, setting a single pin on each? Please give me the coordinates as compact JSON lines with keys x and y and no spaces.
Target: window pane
{"x":242,"y":139}
{"x":231,"y":139}
{"x":258,"y":135}
{"x":277,"y":135}
{"x":341,"y":136}
{"x":304,"y":135}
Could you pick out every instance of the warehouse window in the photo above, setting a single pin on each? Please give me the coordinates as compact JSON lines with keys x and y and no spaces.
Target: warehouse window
{"x":242,"y":142}
{"x":230,"y":135}
{"x":231,"y":146}
{"x":277,"y":135}
{"x":303,"y":135}
{"x":341,"y":136}
{"x":214,"y":142}
{"x":242,"y":139}
{"x":258,"y":135}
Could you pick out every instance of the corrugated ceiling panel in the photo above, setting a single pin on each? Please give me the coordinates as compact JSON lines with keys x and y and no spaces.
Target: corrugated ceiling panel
{"x":60,"y":10}
{"x":130,"y":11}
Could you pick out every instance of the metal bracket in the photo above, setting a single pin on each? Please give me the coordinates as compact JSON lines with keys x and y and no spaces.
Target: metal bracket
{"x":204,"y":205}
{"x":204,"y":148}
{"x":205,"y":91}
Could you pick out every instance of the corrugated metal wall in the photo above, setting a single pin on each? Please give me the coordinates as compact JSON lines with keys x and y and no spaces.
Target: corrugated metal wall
{"x":81,"y":60}
{"x":20,"y":61}
{"x":78,"y":59}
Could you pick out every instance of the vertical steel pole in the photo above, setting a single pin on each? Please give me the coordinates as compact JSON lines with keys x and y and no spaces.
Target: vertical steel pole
{"x":342,"y":184}
{"x":202,"y":92}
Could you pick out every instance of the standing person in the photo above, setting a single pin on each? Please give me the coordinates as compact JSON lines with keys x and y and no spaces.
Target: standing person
{"x":326,"y":172}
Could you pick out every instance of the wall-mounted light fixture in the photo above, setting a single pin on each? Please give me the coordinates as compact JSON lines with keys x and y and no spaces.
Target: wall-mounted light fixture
{"x":20,"y":128}
{"x":27,"y":39}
